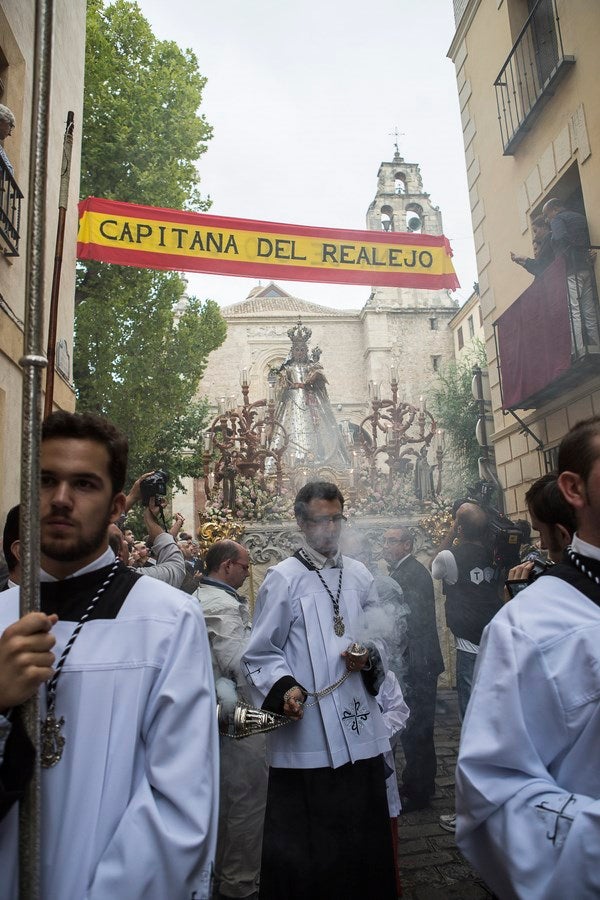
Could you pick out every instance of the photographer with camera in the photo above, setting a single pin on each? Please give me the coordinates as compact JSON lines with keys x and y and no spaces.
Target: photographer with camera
{"x":150,"y":489}
{"x":554,"y":519}
{"x":471,"y":584}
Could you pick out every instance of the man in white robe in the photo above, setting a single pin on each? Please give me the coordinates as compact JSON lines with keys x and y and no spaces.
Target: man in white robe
{"x":327,"y":831}
{"x":527,"y":783}
{"x":130,"y":798}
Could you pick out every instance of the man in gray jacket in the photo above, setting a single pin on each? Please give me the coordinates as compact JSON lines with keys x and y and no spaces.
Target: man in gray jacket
{"x":243,"y":784}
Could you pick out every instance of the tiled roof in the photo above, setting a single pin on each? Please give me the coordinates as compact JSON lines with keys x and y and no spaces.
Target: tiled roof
{"x":261,"y":306}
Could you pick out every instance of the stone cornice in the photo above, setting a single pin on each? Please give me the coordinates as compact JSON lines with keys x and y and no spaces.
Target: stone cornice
{"x":466,"y":308}
{"x":463,"y":28}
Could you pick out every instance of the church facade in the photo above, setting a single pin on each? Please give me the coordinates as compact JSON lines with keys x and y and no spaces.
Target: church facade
{"x":405,"y":328}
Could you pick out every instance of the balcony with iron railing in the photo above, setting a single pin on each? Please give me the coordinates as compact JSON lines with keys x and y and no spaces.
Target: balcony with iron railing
{"x":529,"y":76}
{"x":10,"y":211}
{"x":548,"y":340}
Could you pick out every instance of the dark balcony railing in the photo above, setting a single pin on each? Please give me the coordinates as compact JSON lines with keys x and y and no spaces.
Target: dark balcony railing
{"x":530,"y":74}
{"x":10,"y":211}
{"x":548,"y":340}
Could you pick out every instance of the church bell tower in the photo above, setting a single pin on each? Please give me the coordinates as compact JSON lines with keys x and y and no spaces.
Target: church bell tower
{"x":406,"y":327}
{"x":401,"y":204}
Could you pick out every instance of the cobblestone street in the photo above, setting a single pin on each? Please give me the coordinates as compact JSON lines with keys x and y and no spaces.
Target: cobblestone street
{"x":431,"y":866}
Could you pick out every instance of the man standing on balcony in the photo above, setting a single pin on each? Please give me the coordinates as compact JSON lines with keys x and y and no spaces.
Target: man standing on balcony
{"x":571,"y":239}
{"x":543,"y":252}
{"x":7,"y":123}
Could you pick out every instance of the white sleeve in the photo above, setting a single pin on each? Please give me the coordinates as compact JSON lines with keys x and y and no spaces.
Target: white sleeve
{"x":164,"y":844}
{"x":394,"y":710}
{"x":264,"y":662}
{"x":526,"y":836}
{"x":170,"y":564}
{"x":444,"y":567}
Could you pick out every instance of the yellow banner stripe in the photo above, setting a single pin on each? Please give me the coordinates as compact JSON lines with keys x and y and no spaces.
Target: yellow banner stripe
{"x":177,"y":239}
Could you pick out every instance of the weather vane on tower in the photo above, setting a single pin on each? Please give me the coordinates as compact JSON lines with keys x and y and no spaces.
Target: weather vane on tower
{"x":396,"y":134}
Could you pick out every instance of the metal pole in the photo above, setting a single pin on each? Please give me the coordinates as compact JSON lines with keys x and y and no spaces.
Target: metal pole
{"x":63,"y":202}
{"x":33,"y":362}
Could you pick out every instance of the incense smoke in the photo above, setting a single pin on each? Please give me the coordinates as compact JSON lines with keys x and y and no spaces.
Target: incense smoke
{"x":226,"y":694}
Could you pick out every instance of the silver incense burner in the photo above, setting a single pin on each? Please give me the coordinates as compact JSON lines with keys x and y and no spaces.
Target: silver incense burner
{"x":244,"y":720}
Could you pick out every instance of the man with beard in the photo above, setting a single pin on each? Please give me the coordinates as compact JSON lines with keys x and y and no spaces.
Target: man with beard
{"x":327,"y":827}
{"x":527,"y":786}
{"x":129,"y":708}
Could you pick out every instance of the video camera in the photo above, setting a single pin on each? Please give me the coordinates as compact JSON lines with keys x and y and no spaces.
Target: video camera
{"x":505,"y":536}
{"x":154,"y":486}
{"x":540,"y":565}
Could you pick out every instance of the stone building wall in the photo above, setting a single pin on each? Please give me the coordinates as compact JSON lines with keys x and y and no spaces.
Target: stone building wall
{"x":17,"y":38}
{"x":416,"y":345}
{"x":557,"y":156}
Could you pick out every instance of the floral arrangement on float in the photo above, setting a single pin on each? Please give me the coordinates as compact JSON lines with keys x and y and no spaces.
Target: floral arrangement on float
{"x":435,"y":526}
{"x":253,"y":502}
{"x":379,"y":497}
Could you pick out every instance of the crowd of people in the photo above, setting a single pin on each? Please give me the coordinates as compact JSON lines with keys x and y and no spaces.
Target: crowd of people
{"x":143,"y":796}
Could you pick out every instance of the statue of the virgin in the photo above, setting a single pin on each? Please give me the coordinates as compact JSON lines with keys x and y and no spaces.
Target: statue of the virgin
{"x":304,"y":410}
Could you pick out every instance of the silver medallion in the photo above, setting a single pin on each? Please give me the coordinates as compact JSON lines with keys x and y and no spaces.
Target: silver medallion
{"x":52,"y":741}
{"x":338,"y":625}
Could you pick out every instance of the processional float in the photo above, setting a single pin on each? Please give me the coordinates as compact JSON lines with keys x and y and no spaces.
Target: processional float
{"x":293,"y":436}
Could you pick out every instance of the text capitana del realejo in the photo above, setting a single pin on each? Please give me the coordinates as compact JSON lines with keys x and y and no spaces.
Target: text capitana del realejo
{"x":152,"y":237}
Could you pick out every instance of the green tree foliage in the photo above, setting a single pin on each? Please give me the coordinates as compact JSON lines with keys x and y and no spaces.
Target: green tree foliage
{"x":140,"y":366}
{"x":142,"y":134}
{"x":455,"y":410}
{"x":136,"y":361}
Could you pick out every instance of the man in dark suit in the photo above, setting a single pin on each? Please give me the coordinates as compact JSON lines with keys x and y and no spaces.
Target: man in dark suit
{"x":423,"y":665}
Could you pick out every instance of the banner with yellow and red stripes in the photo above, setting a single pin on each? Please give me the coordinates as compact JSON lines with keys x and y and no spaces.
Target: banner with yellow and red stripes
{"x":150,"y":237}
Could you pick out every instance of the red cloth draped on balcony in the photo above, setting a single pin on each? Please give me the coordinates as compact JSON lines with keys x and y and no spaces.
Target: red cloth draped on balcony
{"x":534,"y":337}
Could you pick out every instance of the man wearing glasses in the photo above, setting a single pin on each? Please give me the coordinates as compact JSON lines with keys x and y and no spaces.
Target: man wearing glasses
{"x":243,"y":781}
{"x":423,"y":664}
{"x":327,"y":828}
